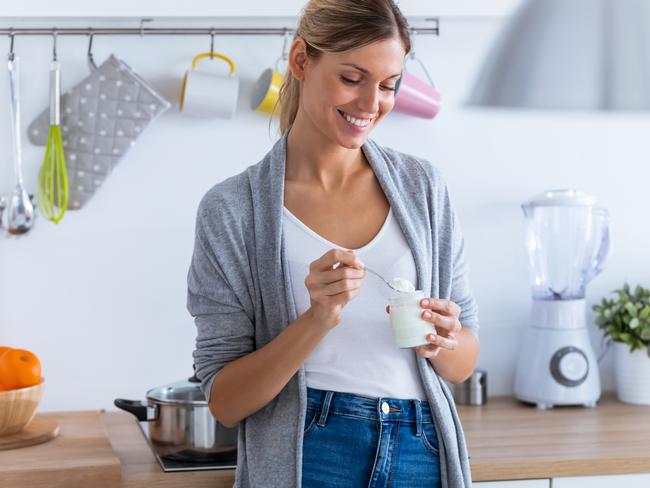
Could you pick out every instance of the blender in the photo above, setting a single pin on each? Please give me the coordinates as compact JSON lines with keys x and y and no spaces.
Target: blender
{"x":567,"y":238}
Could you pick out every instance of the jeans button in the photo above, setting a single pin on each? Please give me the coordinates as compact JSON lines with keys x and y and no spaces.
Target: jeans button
{"x":384,"y":407}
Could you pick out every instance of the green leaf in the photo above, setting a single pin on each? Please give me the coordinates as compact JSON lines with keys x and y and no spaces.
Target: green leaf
{"x":645,"y":312}
{"x":645,"y":334}
{"x":634,"y":323}
{"x":629,"y":306}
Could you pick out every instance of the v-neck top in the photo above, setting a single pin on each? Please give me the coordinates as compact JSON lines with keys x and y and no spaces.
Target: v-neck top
{"x":308,"y":230}
{"x":378,"y":368}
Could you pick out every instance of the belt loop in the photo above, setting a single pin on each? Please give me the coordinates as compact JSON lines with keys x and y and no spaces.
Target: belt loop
{"x":418,"y":418}
{"x":325,"y":408}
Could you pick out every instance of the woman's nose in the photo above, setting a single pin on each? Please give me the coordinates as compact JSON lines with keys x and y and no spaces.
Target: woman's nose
{"x":369,"y":102}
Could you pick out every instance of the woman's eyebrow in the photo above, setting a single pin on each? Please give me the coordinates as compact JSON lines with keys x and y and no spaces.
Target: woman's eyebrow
{"x":363,"y":70}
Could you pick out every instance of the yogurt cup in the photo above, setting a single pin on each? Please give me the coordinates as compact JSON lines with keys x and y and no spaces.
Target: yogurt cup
{"x":409,"y":328}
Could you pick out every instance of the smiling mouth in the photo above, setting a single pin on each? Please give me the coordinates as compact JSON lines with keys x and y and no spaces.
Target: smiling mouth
{"x":355,"y":121}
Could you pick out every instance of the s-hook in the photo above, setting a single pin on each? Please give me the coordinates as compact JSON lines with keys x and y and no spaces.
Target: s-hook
{"x":91,"y":60}
{"x":12,"y":34}
{"x":412,"y":56}
{"x":54,"y":34}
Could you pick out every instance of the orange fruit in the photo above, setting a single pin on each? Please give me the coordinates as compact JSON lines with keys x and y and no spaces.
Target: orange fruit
{"x":3,"y":349}
{"x":19,"y":368}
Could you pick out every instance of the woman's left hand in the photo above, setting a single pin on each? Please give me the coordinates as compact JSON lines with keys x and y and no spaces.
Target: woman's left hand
{"x":443,"y":315}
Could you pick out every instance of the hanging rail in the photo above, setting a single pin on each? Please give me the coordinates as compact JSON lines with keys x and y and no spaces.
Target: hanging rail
{"x":142,"y":31}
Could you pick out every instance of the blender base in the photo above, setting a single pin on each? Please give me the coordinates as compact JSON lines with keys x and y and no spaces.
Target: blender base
{"x":557,"y":366}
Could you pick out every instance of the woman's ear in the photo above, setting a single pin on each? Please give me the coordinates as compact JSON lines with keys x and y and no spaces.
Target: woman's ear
{"x":298,"y":58}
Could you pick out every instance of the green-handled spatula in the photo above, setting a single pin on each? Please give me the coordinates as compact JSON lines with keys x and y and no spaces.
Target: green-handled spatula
{"x":53,"y":177}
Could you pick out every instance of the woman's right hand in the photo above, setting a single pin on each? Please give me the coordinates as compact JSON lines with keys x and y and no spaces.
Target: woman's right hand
{"x":333,"y":280}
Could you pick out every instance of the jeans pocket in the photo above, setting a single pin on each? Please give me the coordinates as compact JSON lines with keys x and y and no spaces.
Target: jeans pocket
{"x":429,"y":437}
{"x":310,"y":420}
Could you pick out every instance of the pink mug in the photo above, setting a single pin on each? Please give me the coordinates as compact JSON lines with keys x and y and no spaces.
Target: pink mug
{"x":416,"y":97}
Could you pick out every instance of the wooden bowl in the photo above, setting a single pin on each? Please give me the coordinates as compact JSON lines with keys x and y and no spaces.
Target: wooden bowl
{"x":18,"y":407}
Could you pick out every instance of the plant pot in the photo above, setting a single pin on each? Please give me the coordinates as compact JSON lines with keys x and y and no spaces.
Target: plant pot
{"x":632,"y":374}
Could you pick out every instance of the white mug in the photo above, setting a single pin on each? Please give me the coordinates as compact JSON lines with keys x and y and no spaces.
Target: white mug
{"x":205,"y":94}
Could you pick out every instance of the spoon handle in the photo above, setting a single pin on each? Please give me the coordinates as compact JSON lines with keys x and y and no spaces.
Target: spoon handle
{"x":381,"y":277}
{"x":12,"y":64}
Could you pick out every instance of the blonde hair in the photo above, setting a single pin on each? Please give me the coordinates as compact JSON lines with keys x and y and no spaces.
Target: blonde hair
{"x":336,"y":26}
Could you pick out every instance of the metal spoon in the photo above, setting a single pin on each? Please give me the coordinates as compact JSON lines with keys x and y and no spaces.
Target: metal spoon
{"x":366,"y":268}
{"x":21,"y":213}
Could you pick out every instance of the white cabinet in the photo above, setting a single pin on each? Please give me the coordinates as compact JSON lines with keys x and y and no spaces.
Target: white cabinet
{"x":514,"y":484}
{"x":621,"y":480}
{"x":218,"y":8}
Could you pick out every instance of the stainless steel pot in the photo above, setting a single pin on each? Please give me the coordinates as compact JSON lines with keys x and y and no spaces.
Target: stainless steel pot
{"x":181,"y":426}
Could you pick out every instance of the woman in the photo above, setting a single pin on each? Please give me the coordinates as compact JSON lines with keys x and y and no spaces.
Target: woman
{"x":293,"y":343}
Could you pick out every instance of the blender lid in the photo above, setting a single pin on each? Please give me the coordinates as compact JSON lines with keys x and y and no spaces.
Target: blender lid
{"x":563,"y":197}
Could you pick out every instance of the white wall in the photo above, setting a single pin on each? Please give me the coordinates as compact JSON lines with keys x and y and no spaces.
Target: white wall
{"x":101,"y":297}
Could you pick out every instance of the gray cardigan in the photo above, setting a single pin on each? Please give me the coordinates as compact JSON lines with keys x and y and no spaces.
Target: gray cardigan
{"x":239,"y":293}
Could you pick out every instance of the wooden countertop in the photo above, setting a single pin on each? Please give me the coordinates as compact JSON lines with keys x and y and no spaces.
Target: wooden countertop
{"x":80,"y":456}
{"x":507,"y":440}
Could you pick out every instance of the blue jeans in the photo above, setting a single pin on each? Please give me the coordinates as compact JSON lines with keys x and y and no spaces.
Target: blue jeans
{"x":355,"y":441}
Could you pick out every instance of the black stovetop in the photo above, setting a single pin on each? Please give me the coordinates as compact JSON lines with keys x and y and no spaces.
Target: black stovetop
{"x":180,"y":462}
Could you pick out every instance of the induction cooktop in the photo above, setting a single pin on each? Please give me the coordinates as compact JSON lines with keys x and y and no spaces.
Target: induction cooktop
{"x":181,"y":461}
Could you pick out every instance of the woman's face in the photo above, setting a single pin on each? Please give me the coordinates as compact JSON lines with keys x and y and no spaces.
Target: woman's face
{"x":345,"y":95}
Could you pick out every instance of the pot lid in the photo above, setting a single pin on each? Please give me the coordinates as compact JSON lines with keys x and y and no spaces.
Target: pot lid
{"x":185,"y":392}
{"x":561,"y":198}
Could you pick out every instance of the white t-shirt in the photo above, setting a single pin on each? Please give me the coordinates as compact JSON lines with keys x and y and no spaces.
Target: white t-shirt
{"x":359,"y":355}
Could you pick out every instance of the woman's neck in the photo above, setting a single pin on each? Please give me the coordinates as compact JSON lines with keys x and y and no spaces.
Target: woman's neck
{"x":313,"y":157}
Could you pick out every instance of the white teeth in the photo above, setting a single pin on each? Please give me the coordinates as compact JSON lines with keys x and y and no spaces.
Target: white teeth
{"x":355,"y":121}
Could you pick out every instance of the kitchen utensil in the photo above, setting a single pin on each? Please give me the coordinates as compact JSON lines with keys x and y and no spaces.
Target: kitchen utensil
{"x":382,"y":278}
{"x":205,"y":94}
{"x":18,"y":407}
{"x":417,"y":98}
{"x":266,"y":90}
{"x":20,"y":212}
{"x":472,"y":391}
{"x":414,"y":96}
{"x":40,"y":429}
{"x":180,"y":424}
{"x":567,"y":238}
{"x":53,"y":177}
{"x":101,"y":118}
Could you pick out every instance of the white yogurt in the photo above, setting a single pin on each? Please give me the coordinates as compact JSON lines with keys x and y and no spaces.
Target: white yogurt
{"x":409,"y":328}
{"x":402,"y":284}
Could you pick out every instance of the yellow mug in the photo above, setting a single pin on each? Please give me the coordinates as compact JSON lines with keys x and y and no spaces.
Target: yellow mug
{"x":266,"y":91}
{"x":205,"y":94}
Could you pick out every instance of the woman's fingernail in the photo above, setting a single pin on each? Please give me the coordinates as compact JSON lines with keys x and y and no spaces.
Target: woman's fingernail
{"x":426,"y":315}
{"x":425,"y":302}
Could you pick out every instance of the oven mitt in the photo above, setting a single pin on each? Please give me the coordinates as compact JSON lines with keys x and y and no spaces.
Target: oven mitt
{"x":101,"y":117}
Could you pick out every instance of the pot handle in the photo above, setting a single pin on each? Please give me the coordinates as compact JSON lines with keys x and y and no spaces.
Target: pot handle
{"x":137,"y":408}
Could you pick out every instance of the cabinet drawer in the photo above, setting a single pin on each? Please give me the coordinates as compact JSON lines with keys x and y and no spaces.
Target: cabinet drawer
{"x":621,"y":480}
{"x":514,"y":484}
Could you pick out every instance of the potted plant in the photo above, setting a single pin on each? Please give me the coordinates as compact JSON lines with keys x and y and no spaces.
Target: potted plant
{"x":626,"y":321}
